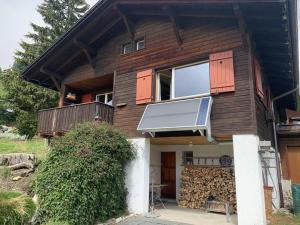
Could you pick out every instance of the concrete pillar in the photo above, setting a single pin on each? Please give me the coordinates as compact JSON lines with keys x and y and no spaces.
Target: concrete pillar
{"x":249,"y":180}
{"x":137,"y":177}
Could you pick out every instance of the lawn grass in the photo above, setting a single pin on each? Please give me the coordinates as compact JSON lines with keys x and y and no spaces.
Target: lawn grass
{"x":281,"y":219}
{"x":15,"y":208}
{"x":37,"y":146}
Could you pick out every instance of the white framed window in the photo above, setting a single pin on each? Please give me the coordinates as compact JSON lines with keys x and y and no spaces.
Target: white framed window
{"x":183,"y":82}
{"x":106,"y":98}
{"x":127,"y":48}
{"x":140,"y":44}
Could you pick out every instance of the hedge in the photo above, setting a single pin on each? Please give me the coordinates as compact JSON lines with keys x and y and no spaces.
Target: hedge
{"x":83,"y":179}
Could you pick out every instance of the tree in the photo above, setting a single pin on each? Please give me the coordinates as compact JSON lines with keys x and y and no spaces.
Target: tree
{"x":26,"y":98}
{"x":7,"y":116}
{"x":58,"y":16}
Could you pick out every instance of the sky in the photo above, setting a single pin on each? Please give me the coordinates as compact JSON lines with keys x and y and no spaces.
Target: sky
{"x":15,"y":19}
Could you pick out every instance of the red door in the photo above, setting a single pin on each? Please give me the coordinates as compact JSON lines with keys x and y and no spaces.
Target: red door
{"x":168,"y":174}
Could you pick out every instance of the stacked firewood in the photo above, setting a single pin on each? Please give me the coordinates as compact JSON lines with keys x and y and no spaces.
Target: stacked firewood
{"x":201,"y":184}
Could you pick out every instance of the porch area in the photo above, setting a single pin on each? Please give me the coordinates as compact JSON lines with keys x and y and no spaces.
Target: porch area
{"x":166,"y":163}
{"x":193,"y":180}
{"x":83,"y":99}
{"x":174,"y":215}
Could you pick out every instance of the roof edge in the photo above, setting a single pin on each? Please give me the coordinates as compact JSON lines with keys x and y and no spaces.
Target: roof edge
{"x":68,"y":33}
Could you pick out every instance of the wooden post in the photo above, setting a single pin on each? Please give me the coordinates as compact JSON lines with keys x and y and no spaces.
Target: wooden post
{"x":61,"y":96}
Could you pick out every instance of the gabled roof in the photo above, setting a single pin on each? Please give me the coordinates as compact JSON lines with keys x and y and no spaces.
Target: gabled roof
{"x":272,"y":25}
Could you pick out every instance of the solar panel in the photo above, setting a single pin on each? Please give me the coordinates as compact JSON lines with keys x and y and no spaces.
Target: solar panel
{"x":189,"y":114}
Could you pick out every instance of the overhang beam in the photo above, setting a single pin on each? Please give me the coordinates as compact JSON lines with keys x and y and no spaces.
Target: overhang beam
{"x":93,"y":39}
{"x":55,"y":77}
{"x":89,"y":52}
{"x":126,"y":20}
{"x":192,"y":2}
{"x":242,"y":24}
{"x":174,"y":20}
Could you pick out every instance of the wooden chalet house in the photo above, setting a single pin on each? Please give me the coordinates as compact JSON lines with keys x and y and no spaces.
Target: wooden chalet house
{"x":188,"y":81}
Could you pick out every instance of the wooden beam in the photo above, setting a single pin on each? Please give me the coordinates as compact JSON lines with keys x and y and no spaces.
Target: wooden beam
{"x":105,"y":29}
{"x":195,"y":140}
{"x":87,"y":50}
{"x":169,"y":11}
{"x":127,"y":22}
{"x":56,"y":78}
{"x":242,"y":24}
{"x":93,"y":39}
{"x":291,"y":44}
{"x":193,"y":2}
{"x":85,"y":46}
{"x":264,"y":43}
{"x":185,"y":14}
{"x":61,"y":100}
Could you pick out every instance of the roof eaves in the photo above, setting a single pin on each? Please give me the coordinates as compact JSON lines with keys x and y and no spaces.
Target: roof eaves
{"x":67,"y":34}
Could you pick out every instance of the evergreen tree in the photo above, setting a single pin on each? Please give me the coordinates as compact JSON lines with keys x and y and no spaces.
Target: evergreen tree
{"x":26,"y":98}
{"x":7,"y":116}
{"x":58,"y":16}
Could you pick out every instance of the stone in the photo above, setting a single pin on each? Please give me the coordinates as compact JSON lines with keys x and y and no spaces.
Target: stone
{"x":16,"y":178}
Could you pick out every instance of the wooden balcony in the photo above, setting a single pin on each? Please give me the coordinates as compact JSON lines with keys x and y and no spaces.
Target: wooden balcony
{"x":59,"y":120}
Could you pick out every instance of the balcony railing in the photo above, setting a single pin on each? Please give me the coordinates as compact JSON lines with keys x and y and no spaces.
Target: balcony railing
{"x":59,"y":120}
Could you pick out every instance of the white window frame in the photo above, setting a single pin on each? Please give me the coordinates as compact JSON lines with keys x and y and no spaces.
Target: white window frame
{"x":105,"y":97}
{"x":123,"y":48}
{"x":137,"y":44}
{"x":172,"y":86}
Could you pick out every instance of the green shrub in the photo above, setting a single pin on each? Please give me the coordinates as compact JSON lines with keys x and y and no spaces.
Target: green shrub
{"x":15,"y":208}
{"x":83,"y":179}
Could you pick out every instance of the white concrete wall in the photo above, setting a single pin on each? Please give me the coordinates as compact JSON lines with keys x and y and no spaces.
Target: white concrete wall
{"x":198,"y":151}
{"x":137,"y":177}
{"x":249,"y":180}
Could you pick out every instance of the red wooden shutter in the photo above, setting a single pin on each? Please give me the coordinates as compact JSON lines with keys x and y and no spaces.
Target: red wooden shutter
{"x":258,"y":79}
{"x":144,"y":86}
{"x":86,"y":98}
{"x":221,"y":72}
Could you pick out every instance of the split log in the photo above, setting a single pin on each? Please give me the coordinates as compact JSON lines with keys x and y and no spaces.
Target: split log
{"x":23,"y":165}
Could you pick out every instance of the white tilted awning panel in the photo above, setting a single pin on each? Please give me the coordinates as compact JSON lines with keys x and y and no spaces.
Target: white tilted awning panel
{"x":189,"y":114}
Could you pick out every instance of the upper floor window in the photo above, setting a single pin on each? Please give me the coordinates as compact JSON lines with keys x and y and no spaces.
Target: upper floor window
{"x":127,"y":48}
{"x":185,"y":81}
{"x":191,"y":80}
{"x":140,"y":44}
{"x":133,"y":46}
{"x":106,"y":98}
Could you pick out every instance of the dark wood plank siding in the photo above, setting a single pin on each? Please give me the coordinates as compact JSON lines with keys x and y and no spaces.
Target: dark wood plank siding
{"x":264,"y":127}
{"x":231,"y":113}
{"x":82,"y":72}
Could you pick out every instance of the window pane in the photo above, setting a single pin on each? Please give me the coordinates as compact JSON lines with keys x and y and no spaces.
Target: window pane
{"x":109,"y":99}
{"x":100,"y":98}
{"x":192,"y":80}
{"x":140,"y":44}
{"x":164,"y":86}
{"x":127,"y":48}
